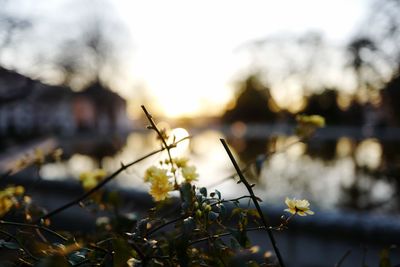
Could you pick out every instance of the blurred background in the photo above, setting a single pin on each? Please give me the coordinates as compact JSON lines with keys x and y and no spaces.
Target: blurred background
{"x":73,"y":74}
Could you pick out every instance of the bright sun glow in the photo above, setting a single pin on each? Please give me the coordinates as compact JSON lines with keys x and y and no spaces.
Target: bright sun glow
{"x":182,"y":147}
{"x":187,"y":52}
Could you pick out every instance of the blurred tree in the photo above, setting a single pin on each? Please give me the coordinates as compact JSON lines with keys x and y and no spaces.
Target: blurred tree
{"x":325,"y":104}
{"x":94,"y":56}
{"x":252,"y":104}
{"x":391,"y":101}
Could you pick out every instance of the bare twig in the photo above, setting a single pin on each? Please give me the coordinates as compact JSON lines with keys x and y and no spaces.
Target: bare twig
{"x":40,"y":227}
{"x":345,"y":255}
{"x":162,"y":138}
{"x":152,"y":231}
{"x":255,"y":201}
{"x":223,"y":234}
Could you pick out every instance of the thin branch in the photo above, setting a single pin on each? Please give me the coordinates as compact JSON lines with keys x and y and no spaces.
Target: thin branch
{"x":255,"y":201}
{"x":160,"y":135}
{"x":36,"y":227}
{"x":165,"y":224}
{"x":224,"y":234}
{"x":104,"y":182}
{"x":345,"y":255}
{"x":229,"y":200}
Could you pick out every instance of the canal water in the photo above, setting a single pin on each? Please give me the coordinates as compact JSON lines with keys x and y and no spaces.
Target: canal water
{"x":335,"y":173}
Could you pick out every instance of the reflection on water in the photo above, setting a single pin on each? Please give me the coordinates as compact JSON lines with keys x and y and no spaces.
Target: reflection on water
{"x":343,"y":173}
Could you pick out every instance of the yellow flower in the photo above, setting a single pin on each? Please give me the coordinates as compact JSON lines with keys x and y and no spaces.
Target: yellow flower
{"x":160,"y":187}
{"x":91,"y":178}
{"x":189,"y":173}
{"x":38,"y":156}
{"x":297,"y":206}
{"x":7,"y":198}
{"x":5,"y":205}
{"x":154,"y":173}
{"x":57,"y":154}
{"x":181,"y":162}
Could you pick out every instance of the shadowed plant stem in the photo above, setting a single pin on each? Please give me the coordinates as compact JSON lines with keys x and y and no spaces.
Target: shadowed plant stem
{"x":255,"y":201}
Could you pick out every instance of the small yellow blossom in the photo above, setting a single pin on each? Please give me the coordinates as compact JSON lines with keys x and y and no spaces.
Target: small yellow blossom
{"x":57,"y":154}
{"x":38,"y":156}
{"x":181,"y":162}
{"x":8,"y":198}
{"x":5,"y":205}
{"x":189,"y":173}
{"x":297,"y":206}
{"x":155,"y":173}
{"x":91,"y":178}
{"x":160,"y":188}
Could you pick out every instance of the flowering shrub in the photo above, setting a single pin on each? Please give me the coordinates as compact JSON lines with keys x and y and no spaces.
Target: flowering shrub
{"x":205,"y":230}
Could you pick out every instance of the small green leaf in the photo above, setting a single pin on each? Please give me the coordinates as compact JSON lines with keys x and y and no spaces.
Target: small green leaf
{"x":8,"y":244}
{"x":203,"y":191}
{"x":218,"y":194}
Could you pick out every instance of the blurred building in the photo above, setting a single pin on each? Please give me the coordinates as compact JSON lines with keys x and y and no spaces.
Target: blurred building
{"x":29,"y":107}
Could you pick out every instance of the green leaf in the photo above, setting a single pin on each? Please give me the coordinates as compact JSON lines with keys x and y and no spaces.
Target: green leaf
{"x":8,"y":244}
{"x":218,"y":194}
{"x":203,"y":191}
{"x":76,"y":257}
